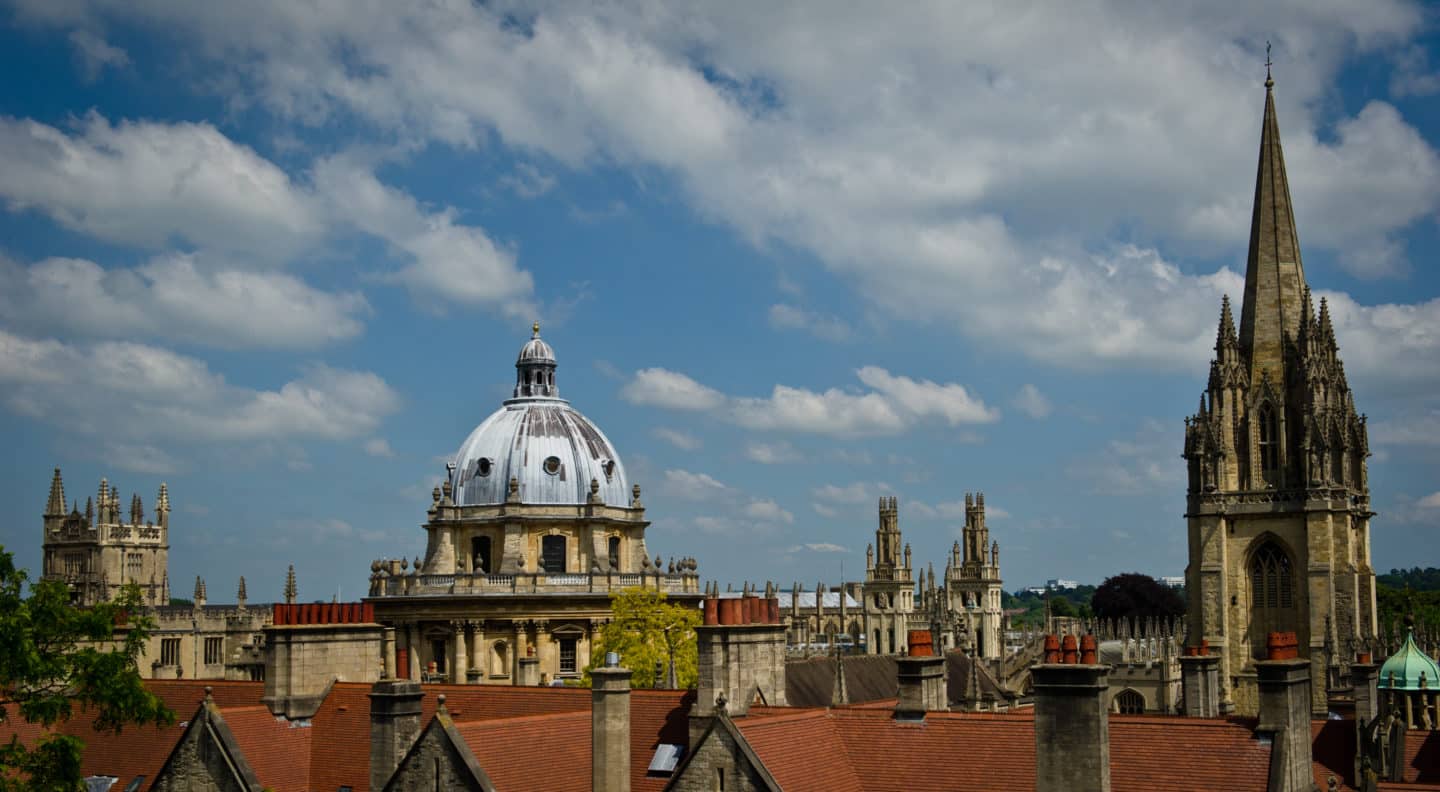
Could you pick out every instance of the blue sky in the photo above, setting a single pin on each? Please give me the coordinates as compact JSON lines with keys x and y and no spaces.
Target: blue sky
{"x":281,"y":256}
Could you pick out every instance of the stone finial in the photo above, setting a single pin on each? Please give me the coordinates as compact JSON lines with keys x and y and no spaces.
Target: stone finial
{"x":137,"y":509}
{"x":513,"y":495}
{"x":435,"y":496}
{"x":240,"y":592}
{"x":290,"y":589}
{"x":635,"y":497}
{"x":89,"y":510}
{"x":55,"y":506}
{"x":162,"y":499}
{"x":199,"y":591}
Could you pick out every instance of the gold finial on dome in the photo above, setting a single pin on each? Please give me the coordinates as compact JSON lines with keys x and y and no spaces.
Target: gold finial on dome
{"x":535,"y":329}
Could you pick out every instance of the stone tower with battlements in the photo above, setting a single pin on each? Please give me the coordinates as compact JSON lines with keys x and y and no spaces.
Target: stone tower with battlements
{"x":97,"y":551}
{"x":889,"y":589}
{"x":1278,"y":505}
{"x":972,"y":583}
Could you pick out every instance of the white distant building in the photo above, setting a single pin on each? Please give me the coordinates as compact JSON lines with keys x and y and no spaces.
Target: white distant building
{"x":1174,"y":581}
{"x":1061,"y":583}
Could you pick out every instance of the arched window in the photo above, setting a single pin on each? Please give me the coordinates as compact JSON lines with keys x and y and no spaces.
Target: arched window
{"x":552,"y":555}
{"x":614,"y":548}
{"x":1130,"y":702}
{"x":1272,"y":599}
{"x":1269,"y":446}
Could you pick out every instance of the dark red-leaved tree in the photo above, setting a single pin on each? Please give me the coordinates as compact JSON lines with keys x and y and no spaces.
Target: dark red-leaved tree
{"x":1134,"y":597}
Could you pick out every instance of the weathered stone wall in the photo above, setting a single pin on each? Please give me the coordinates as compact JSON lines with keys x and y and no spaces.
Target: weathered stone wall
{"x":719,"y":755}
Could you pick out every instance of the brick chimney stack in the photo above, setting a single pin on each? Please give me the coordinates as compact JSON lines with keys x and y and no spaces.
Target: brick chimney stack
{"x":742,"y":657}
{"x":1284,"y":682}
{"x":610,"y":727}
{"x":1072,"y":726}
{"x":921,"y":678}
{"x":394,"y":726}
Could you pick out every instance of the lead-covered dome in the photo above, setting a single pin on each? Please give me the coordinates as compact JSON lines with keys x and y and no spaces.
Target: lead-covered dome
{"x":550,"y":449}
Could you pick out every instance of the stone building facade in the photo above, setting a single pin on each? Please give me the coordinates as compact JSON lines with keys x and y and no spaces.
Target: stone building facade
{"x":1278,"y":506}
{"x":96,"y":552}
{"x":533,"y":528}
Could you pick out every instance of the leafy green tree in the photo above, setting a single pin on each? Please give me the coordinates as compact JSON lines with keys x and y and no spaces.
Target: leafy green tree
{"x":55,"y":656}
{"x":649,"y":633}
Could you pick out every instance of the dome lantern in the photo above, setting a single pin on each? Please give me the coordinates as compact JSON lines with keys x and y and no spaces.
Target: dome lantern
{"x":535,"y":369}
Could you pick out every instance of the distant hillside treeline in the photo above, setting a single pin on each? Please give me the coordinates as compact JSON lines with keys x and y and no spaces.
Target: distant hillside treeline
{"x":1403,"y":591}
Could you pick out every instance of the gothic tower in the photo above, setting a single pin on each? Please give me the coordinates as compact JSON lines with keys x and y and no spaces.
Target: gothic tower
{"x":889,"y":591}
{"x":96,"y":552}
{"x":1278,"y":505}
{"x":973,"y":582}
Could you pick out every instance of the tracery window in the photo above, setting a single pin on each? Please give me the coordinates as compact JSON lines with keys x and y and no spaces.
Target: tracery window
{"x":1272,"y":598}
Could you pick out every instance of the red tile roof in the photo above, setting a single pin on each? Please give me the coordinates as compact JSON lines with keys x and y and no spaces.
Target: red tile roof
{"x":867,"y":749}
{"x":277,"y":750}
{"x":550,"y":752}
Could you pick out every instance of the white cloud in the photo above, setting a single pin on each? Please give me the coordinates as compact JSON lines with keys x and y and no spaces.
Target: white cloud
{"x":95,"y":54}
{"x":1146,"y":462}
{"x":131,"y":393}
{"x":379,"y":447}
{"x":172,"y":297}
{"x":447,"y":260}
{"x":146,"y":183}
{"x":1431,"y":501}
{"x":664,"y":388}
{"x":1001,"y":199}
{"x":768,"y":511}
{"x":692,"y":486}
{"x":857,"y":492}
{"x":825,"y":511}
{"x":681,"y":440}
{"x":817,"y":547}
{"x":527,"y":181}
{"x":772,"y":453}
{"x":1031,"y":401}
{"x":894,"y":405}
{"x":789,"y":317}
{"x":924,"y":398}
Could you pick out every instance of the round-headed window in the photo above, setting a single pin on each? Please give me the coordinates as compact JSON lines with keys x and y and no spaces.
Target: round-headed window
{"x":552,"y":465}
{"x":482,"y":468}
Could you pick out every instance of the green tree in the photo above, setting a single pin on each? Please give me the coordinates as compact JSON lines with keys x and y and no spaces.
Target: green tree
{"x":55,"y":656}
{"x":649,"y":633}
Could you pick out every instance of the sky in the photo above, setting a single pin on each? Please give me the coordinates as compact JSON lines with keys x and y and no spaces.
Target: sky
{"x":792,"y":257}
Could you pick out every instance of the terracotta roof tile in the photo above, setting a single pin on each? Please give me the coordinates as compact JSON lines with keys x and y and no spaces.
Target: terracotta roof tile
{"x":276,"y":749}
{"x":540,"y":752}
{"x":802,"y":750}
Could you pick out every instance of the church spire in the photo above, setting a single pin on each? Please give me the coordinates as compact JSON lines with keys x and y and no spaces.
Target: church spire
{"x":1274,"y":275}
{"x":55,"y":506}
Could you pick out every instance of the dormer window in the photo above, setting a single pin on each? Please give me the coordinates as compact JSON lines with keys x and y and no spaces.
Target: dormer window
{"x":609,"y":467}
{"x":482,"y":467}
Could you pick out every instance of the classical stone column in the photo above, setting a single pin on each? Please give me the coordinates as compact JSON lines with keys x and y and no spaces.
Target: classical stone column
{"x":477,"y":653}
{"x":387,"y":651}
{"x":412,"y":632}
{"x":462,"y":655}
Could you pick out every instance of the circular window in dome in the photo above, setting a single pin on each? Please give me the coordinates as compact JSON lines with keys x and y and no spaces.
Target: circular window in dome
{"x":482,"y":468}
{"x":552,"y":465}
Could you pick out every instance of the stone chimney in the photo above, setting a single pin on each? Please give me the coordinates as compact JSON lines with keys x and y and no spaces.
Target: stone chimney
{"x":1072,"y":726}
{"x":394,"y":726}
{"x":1200,"y":681}
{"x":1365,"y":676}
{"x":1284,"y":683}
{"x":610,"y":727}
{"x":921,"y":677}
{"x":742,"y":657}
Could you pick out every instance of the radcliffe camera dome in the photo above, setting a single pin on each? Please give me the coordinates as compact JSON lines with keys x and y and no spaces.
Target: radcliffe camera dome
{"x":552,"y":450}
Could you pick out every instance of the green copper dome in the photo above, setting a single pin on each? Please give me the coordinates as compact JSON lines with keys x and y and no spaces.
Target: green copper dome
{"x":1405,"y":668}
